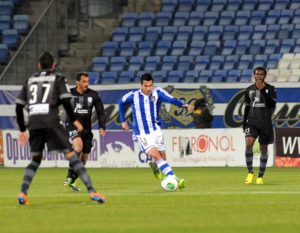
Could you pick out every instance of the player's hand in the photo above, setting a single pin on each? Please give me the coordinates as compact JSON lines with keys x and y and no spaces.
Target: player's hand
{"x":125,"y":126}
{"x":23,"y":138}
{"x":189,"y":107}
{"x":78,"y":126}
{"x":260,"y":84}
{"x":102,"y":132}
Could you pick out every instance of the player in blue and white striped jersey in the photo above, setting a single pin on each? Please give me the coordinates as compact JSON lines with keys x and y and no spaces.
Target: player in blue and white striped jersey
{"x":146,"y":104}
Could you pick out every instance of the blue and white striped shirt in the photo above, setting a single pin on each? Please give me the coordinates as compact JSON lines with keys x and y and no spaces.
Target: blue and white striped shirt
{"x":145,"y":109}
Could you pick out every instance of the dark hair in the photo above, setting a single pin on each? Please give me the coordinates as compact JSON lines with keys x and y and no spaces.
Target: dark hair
{"x":260,"y":68}
{"x":78,"y":76}
{"x":146,"y":77}
{"x":46,"y":60}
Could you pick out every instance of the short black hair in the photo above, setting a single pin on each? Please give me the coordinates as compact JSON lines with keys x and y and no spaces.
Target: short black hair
{"x":146,"y":77}
{"x":46,"y":60}
{"x":260,"y":68}
{"x":78,"y":76}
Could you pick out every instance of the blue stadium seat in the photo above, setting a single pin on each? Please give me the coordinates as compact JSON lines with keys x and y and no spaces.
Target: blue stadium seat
{"x":152,"y":63}
{"x":129,"y":19}
{"x":265,"y":5}
{"x":94,"y":77}
{"x":175,"y":76}
{"x":260,"y":60}
{"x":185,"y":5}
{"x":7,"y":8}
{"x":163,"y":48}
{"x":272,"y":31}
{"x":218,"y":76}
{"x":4,"y":54}
{"x":257,"y":17}
{"x":159,"y":76}
{"x":178,"y":48}
{"x":135,"y":63}
{"x":145,"y":48}
{"x":296,"y":32}
{"x":234,"y":5}
{"x":138,"y":75}
{"x":218,"y":5}
{"x":196,"y":48}
{"x":205,"y":76}
{"x":185,"y":62}
{"x":168,"y":63}
{"x":180,"y":18}
{"x":169,"y":33}
{"x":153,"y":33}
{"x":272,"y":61}
{"x":259,"y":32}
{"x":184,"y":33}
{"x":21,"y":23}
{"x":126,"y":77}
{"x":108,"y":77}
{"x":294,"y":5}
{"x":242,"y":17}
{"x":256,"y":47}
{"x":246,"y":76}
{"x":100,"y":64}
{"x":249,"y":5}
{"x":136,"y":33}
{"x":11,"y":38}
{"x":242,"y":47}
{"x":168,"y":5}
{"x":110,"y":48}
{"x":233,"y":76}
{"x":214,"y":32}
{"x":285,"y":31}
{"x":127,"y":48}
{"x":163,"y":19}
{"x":245,"y":32}
{"x":229,"y":47}
{"x":216,"y":62}
{"x":145,"y":19}
{"x":285,"y":16}
{"x":191,"y":76}
{"x":296,"y":48}
{"x":272,"y":46}
{"x":212,"y":47}
{"x":272,"y":16}
{"x":200,"y":33}
{"x":117,"y":64}
{"x":231,"y":62}
{"x":119,"y":34}
{"x":210,"y":18}
{"x":201,"y":62}
{"x":230,"y":32}
{"x":226,"y":17}
{"x":195,"y":18}
{"x":281,"y":4}
{"x":296,"y":18}
{"x":245,"y":62}
{"x":202,"y":5}
{"x":5,"y":22}
{"x":287,"y":45}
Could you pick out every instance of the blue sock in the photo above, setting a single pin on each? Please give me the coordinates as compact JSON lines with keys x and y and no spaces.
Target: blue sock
{"x":164,"y":167}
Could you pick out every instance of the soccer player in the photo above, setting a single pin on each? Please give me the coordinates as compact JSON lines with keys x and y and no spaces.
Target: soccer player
{"x":260,"y":102}
{"x":145,"y":105}
{"x":43,"y":93}
{"x":83,"y":100}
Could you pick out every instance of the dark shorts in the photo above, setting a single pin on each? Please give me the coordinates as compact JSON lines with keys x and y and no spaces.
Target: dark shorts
{"x":265,"y":134}
{"x":86,"y":137}
{"x":56,"y":138}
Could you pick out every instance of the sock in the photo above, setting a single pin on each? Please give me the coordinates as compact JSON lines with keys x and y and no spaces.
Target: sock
{"x":249,"y":161}
{"x":28,"y":176}
{"x":164,"y":167}
{"x":71,"y":173}
{"x":263,"y":164}
{"x":81,"y":171}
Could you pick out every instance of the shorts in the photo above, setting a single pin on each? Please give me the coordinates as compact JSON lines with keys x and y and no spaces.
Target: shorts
{"x":265,"y":134}
{"x":86,"y":137}
{"x":147,"y":141}
{"x":56,"y":138}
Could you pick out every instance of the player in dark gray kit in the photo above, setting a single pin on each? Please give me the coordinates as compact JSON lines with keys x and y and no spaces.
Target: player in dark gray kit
{"x":83,"y":101}
{"x":260,"y":103}
{"x":42,"y":93}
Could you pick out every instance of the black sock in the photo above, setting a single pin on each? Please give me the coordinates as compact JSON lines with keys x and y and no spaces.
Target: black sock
{"x":71,"y":173}
{"x":249,"y":161}
{"x":28,"y":176}
{"x":263,"y":164}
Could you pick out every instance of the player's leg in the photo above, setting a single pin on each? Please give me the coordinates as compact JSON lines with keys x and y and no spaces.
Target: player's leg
{"x":250,"y":137}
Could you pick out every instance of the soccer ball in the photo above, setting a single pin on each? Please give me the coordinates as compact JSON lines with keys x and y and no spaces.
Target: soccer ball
{"x":169,"y":184}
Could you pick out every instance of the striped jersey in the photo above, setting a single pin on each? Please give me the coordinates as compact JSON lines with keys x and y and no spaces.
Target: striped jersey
{"x":145,"y":109}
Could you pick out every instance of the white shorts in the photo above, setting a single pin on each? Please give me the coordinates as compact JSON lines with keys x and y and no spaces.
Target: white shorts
{"x":147,"y":141}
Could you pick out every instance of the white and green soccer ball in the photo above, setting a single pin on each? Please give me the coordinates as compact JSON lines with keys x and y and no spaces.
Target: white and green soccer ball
{"x":169,"y":183}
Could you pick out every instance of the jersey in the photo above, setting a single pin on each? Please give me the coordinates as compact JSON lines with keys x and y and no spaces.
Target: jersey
{"x":145,"y":109}
{"x":83,"y":107}
{"x":42,"y":94}
{"x":261,"y":105}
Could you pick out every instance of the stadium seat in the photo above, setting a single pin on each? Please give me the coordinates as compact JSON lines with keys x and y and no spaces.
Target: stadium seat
{"x":246,"y":76}
{"x":169,"y":33}
{"x":272,"y":46}
{"x":242,"y":17}
{"x":242,"y":47}
{"x":285,"y":31}
{"x":226,"y":17}
{"x":145,"y":48}
{"x":184,"y":33}
{"x":212,"y":47}
{"x":135,"y":63}
{"x":178,"y":48}
{"x":117,"y":64}
{"x":162,"y":48}
{"x":195,"y":18}
{"x":127,"y":48}
{"x":294,"y":5}
{"x":234,"y":5}
{"x":202,"y":5}
{"x":272,"y":31}
{"x":218,"y":5}
{"x":196,"y":48}
{"x":229,"y":47}
{"x":296,"y":32}
{"x":205,"y":76}
{"x":273,"y":60}
{"x":119,"y":34}
{"x":185,"y":5}
{"x":163,"y":19}
{"x":21,"y":23}
{"x":152,"y":63}
{"x":296,"y":18}
{"x":94,"y":77}
{"x":216,"y":62}
{"x":11,"y":38}
{"x":264,"y":5}
{"x":287,"y":45}
{"x":245,"y":32}
{"x":108,"y":77}
{"x":231,"y":62}
{"x":249,"y":5}
{"x":285,"y":16}
{"x":100,"y":64}
{"x":259,"y":32}
{"x":260,"y":60}
{"x":126,"y":77}
{"x":4,"y":54}
{"x":233,"y":76}
{"x":136,"y":33}
{"x":5,"y":22}
{"x":281,"y":4}
{"x":218,"y":76}
{"x":191,"y":76}
{"x":201,"y":62}
{"x":175,"y":76}
{"x":257,"y":17}
{"x":256,"y":47}
{"x":145,"y":19}
{"x":272,"y":17}
{"x":230,"y":32}
{"x":153,"y":33}
{"x":245,"y":62}
{"x":7,"y":8}
{"x":168,"y":63}
{"x":110,"y":48}
{"x":210,"y":18}
{"x":199,"y":33}
{"x":159,"y":76}
{"x":185,"y":62}
{"x":180,"y":18}
{"x":168,"y":5}
{"x":214,"y":32}
{"x":129,"y":19}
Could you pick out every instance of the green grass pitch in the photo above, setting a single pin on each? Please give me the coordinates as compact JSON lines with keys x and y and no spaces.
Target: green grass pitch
{"x":215,"y":200}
